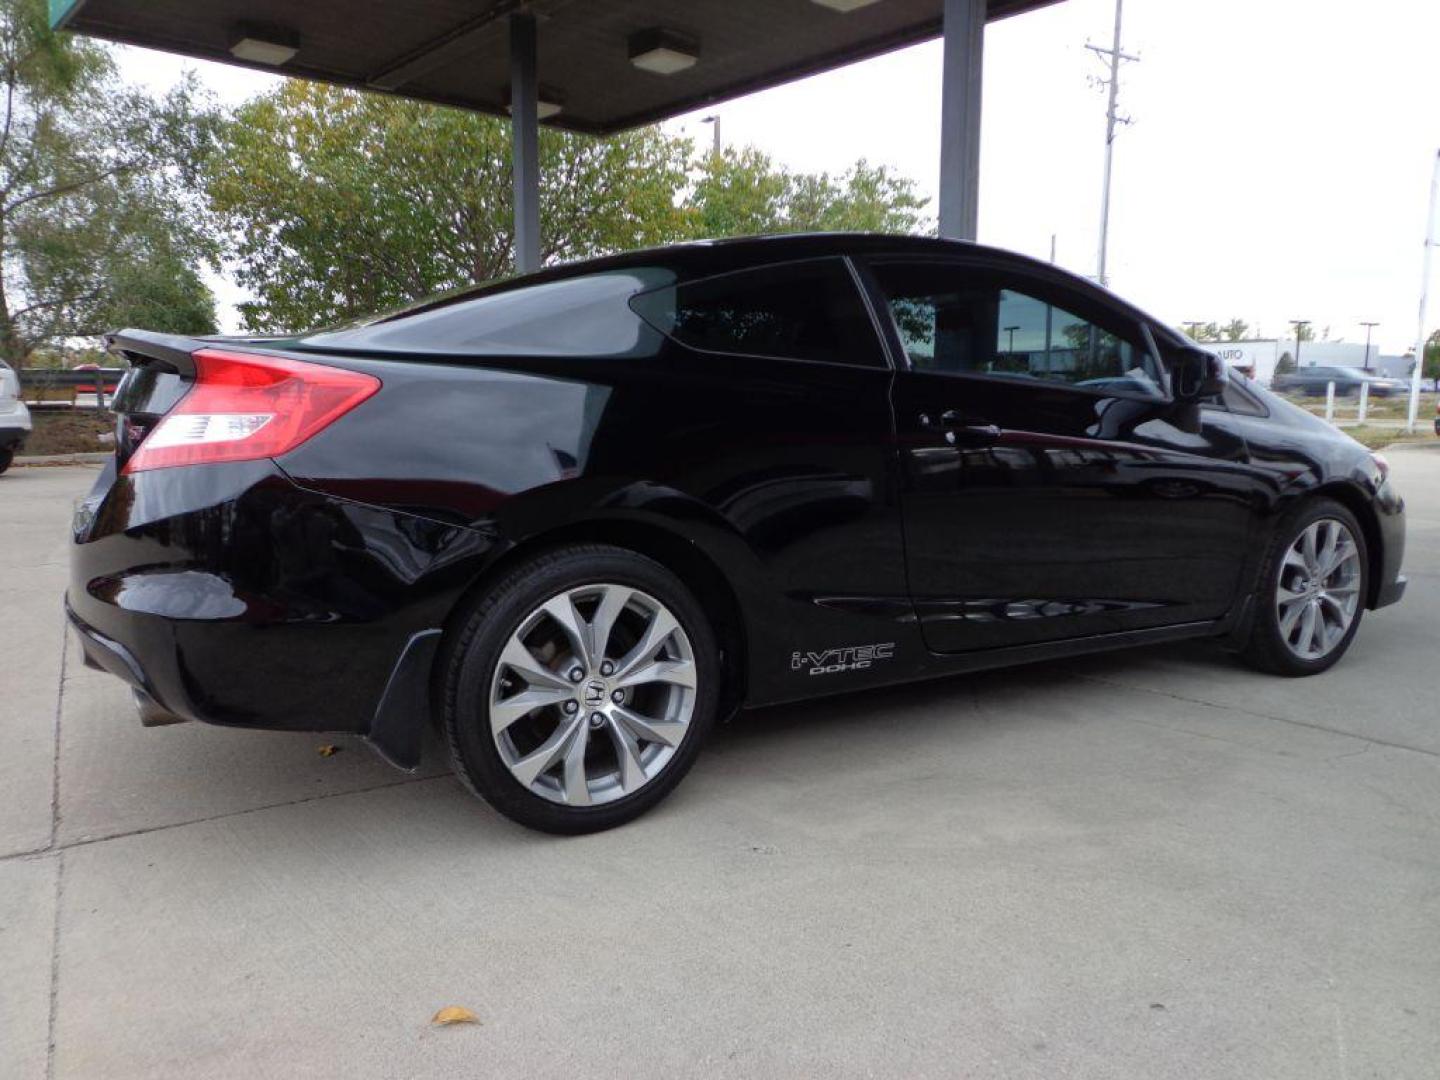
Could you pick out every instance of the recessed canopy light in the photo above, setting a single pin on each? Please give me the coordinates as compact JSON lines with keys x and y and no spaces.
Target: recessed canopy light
{"x":272,"y":45}
{"x":844,"y":5}
{"x":663,"y":51}
{"x":548,"y":102}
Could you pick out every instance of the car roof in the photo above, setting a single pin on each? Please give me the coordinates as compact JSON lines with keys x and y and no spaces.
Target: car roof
{"x":705,"y":258}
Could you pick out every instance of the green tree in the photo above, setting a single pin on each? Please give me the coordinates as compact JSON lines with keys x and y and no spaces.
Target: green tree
{"x":98,"y":225}
{"x":342,"y":203}
{"x":1304,"y":332}
{"x":1234,"y":330}
{"x":1431,"y":370}
{"x":742,"y":191}
{"x":1284,"y":366}
{"x":1199,"y":331}
{"x":338,"y":203}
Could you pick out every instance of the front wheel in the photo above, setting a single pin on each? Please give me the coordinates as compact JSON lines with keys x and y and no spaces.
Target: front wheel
{"x":1312,"y":594}
{"x":579,"y":691}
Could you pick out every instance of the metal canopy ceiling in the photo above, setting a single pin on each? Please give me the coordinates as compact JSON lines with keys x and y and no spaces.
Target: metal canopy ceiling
{"x":457,"y":53}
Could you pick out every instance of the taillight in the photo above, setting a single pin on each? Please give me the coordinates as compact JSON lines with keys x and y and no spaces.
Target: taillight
{"x":244,"y":406}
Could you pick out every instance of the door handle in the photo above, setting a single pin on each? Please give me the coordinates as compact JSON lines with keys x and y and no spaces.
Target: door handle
{"x":972,"y":435}
{"x":959,"y":433}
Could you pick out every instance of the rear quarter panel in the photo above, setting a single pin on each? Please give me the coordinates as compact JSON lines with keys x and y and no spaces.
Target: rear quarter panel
{"x":781,"y":473}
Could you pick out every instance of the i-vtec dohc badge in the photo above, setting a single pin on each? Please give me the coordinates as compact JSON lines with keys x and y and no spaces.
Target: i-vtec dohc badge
{"x":833,"y":661}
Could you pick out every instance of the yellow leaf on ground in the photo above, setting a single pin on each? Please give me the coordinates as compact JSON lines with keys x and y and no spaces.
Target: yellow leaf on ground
{"x":454,"y":1014}
{"x":328,"y":750}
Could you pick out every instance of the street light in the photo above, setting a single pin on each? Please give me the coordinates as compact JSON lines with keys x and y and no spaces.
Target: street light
{"x":1011,"y":331}
{"x":713,"y":118}
{"x":1299,"y":325}
{"x":1368,"y":327}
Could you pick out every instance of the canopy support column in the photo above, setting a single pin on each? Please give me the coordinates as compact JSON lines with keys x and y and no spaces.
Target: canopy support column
{"x":525,"y":141}
{"x":960,"y":118}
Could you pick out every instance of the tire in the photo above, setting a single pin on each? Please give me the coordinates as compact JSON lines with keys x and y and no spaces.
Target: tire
{"x":6,"y":457}
{"x":1282,"y":639}
{"x":630,"y":739}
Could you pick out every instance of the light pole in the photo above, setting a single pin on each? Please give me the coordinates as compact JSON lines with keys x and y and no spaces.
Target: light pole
{"x":1430,"y":245}
{"x":1299,"y":325}
{"x":1368,"y":327}
{"x":1011,"y":331}
{"x":713,"y":118}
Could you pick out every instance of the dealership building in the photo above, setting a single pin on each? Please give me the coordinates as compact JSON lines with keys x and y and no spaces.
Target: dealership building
{"x":1259,"y":357}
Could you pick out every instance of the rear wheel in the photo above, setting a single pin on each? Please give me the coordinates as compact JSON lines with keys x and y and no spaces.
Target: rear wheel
{"x":1313,"y":589}
{"x":6,"y":457}
{"x":579,"y":691}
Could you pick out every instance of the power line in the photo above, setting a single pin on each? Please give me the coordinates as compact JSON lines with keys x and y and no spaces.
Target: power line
{"x":1112,"y":117}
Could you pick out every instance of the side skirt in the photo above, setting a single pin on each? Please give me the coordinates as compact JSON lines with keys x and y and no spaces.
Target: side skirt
{"x":940,"y":665}
{"x":1059,"y":650}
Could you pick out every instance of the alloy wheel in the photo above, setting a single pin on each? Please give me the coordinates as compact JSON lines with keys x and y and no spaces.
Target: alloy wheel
{"x":1318,"y":592}
{"x":592,"y":695}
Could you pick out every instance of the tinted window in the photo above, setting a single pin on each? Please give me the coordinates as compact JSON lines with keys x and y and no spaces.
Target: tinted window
{"x":959,"y":323}
{"x":807,"y":310}
{"x":580,"y":316}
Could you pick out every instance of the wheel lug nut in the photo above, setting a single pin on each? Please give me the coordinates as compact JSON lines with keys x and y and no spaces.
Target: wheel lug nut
{"x":618,"y":696}
{"x":572,"y":707}
{"x":607,"y":668}
{"x":576,"y":674}
{"x":597,"y":719}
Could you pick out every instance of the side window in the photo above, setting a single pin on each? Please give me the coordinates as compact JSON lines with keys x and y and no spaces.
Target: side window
{"x":808,"y":310}
{"x":1238,"y":399}
{"x":960,"y":322}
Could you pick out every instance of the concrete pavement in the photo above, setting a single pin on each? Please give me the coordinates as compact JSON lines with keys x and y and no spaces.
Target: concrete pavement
{"x":1148,"y":864}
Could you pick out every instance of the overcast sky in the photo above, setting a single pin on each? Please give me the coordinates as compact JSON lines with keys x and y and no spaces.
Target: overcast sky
{"x":1278,"y":166}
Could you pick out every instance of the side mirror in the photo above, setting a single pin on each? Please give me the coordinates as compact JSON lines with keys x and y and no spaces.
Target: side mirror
{"x":1196,"y":374}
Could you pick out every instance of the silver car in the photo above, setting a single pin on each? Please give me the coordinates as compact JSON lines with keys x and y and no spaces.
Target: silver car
{"x":15,"y":423}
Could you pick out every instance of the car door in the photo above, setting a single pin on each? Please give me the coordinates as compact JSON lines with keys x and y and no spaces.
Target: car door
{"x":1048,"y":488}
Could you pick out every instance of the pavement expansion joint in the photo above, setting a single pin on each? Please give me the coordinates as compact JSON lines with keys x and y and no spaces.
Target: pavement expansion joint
{"x":1263,"y":716}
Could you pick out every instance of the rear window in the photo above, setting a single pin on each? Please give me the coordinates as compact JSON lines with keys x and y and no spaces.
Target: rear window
{"x":580,"y":316}
{"x":807,"y":310}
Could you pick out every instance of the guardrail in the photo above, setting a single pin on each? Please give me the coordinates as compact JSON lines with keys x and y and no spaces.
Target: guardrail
{"x":1346,"y":415}
{"x":56,"y":386}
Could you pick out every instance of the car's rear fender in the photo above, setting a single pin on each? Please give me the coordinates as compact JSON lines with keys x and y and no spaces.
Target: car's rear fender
{"x":714,"y":566}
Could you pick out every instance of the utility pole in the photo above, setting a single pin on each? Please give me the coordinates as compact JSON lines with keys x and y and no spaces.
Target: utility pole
{"x":1299,"y":325}
{"x":1430,"y":243}
{"x":1112,"y":117}
{"x":1368,"y":327}
{"x":713,"y":118}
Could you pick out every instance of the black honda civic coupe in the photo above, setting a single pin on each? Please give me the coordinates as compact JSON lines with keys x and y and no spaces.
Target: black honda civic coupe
{"x":575,"y":517}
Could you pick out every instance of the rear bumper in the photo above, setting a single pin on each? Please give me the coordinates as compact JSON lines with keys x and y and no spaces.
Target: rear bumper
{"x":12,"y":438}
{"x":229,"y":595}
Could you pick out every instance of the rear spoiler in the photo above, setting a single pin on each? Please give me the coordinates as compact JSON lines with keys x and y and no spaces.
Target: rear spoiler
{"x":145,"y":347}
